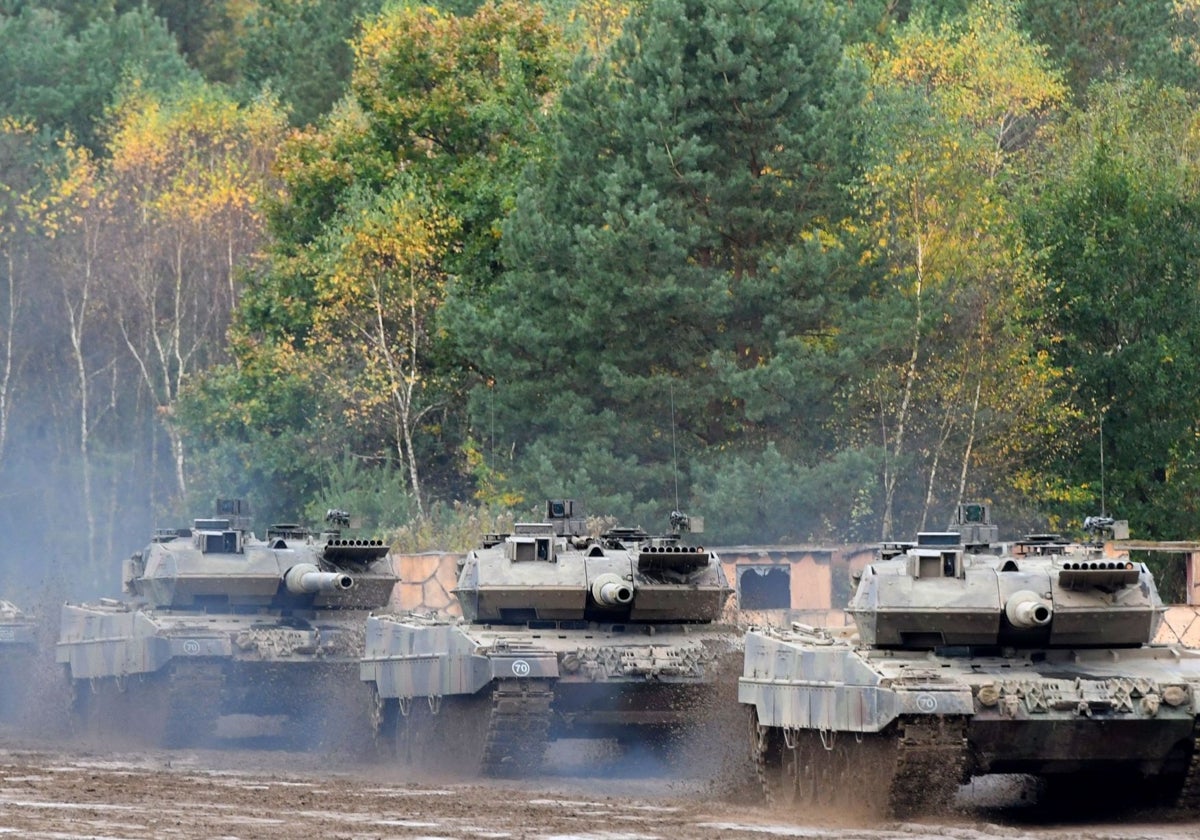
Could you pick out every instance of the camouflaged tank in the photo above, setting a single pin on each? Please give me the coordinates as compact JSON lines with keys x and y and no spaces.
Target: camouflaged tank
{"x":225,"y":635}
{"x":563,"y":635}
{"x":971,"y":660}
{"x":18,"y":648}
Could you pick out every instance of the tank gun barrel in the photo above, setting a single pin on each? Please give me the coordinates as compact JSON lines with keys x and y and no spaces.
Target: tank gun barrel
{"x":612,"y":591}
{"x":305,"y":579}
{"x":1027,"y":610}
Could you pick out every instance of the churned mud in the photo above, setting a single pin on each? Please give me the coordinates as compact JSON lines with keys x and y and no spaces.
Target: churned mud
{"x":53,"y":788}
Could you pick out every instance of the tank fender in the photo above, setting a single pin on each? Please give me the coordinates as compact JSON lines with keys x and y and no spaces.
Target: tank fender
{"x":541,"y":664}
{"x":188,"y":647}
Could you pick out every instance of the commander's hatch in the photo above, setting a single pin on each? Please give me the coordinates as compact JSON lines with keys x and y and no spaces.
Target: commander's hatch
{"x":215,"y":536}
{"x":530,"y":542}
{"x":937,"y":554}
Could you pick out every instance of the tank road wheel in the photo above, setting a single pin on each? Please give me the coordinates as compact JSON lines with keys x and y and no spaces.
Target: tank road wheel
{"x":414,"y":741}
{"x":84,"y":712}
{"x":385,"y":714}
{"x":774,"y":763}
{"x":811,"y":770}
{"x":495,"y":733}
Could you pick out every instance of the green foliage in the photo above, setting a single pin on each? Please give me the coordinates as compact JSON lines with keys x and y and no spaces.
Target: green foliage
{"x":767,"y":498}
{"x":301,"y":50}
{"x":403,"y":184}
{"x":1115,"y":236}
{"x":453,"y":527}
{"x":674,"y":248}
{"x":935,"y":377}
{"x":253,"y":433}
{"x":723,"y":263}
{"x":65,"y":78}
{"x":1154,"y":40}
{"x":375,"y":495}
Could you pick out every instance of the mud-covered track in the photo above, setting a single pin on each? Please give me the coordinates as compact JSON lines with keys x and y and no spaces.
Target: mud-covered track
{"x":912,"y":769}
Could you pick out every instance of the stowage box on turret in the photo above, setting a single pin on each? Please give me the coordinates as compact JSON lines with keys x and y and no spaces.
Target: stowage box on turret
{"x":563,"y":636}
{"x":221,"y":624}
{"x":971,"y":659}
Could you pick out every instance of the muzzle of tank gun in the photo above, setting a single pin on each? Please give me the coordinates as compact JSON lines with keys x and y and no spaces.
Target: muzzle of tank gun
{"x":611,"y":590}
{"x":305,"y":579}
{"x":1027,"y":610}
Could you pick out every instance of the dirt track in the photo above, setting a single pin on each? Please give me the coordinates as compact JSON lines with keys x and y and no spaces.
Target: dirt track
{"x":63,"y":791}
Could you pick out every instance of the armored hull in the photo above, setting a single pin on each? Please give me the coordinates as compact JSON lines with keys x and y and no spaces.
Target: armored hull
{"x":969,"y":660}
{"x":228,"y":636}
{"x":18,"y":647}
{"x":563,"y":636}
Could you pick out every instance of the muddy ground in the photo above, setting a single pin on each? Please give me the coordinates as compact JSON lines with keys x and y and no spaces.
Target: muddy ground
{"x":53,"y":788}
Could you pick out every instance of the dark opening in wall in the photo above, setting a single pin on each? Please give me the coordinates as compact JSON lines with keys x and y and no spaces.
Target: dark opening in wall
{"x":764,"y":587}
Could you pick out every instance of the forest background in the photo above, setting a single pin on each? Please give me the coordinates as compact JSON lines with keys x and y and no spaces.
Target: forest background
{"x":814,"y":271}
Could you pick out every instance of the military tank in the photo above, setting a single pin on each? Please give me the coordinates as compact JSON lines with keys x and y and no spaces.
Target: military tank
{"x":224,"y":635}
{"x":968,"y":658}
{"x":18,"y":647}
{"x":562,"y":636}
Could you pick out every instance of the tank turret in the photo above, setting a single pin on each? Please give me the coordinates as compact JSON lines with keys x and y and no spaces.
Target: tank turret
{"x":221,"y":625}
{"x":553,"y":571}
{"x":564,"y":635}
{"x":218,"y":564}
{"x":962,"y":588}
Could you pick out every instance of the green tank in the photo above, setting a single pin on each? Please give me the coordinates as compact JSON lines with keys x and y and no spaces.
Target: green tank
{"x":968,"y":658}
{"x":224,"y":635}
{"x":18,"y":649}
{"x":562,"y":636}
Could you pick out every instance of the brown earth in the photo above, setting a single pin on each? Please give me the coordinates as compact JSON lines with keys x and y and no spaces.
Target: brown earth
{"x":55,"y":789}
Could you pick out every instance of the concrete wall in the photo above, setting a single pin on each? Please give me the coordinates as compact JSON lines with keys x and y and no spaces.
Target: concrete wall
{"x":1181,"y":625}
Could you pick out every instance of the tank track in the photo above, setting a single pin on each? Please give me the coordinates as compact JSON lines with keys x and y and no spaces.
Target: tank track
{"x":771,"y":758}
{"x":193,"y":701}
{"x":912,"y":770}
{"x":931,"y":755}
{"x":515,"y":743}
{"x":500,"y":733}
{"x":1189,"y":795}
{"x":175,"y":707}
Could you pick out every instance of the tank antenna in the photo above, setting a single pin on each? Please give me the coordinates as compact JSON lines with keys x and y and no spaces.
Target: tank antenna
{"x":674,"y":451}
{"x":1103,"y":512}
